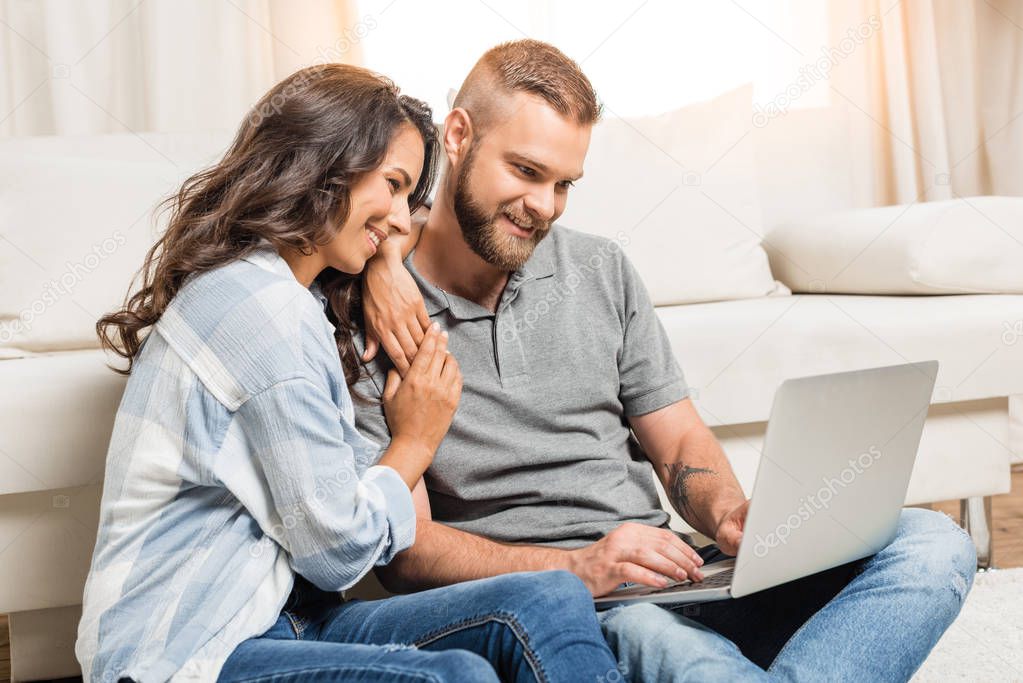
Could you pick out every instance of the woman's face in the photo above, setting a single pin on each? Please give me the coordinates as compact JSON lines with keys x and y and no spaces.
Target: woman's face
{"x":379,"y":204}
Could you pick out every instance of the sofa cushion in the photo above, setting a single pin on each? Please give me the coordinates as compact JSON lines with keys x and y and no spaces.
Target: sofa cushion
{"x":678,"y":193}
{"x":76,"y":220}
{"x":959,"y":246}
{"x":735,"y":354}
{"x":56,"y":415}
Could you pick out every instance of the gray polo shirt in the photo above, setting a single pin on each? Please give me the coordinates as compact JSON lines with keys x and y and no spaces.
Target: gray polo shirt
{"x":540,"y":450}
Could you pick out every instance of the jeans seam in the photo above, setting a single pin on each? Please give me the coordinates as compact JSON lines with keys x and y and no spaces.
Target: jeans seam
{"x":385,"y":669}
{"x":505,"y":618}
{"x":296,"y":625}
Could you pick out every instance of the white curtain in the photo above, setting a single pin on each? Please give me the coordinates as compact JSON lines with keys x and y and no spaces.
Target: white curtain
{"x":936,"y":97}
{"x":71,"y":67}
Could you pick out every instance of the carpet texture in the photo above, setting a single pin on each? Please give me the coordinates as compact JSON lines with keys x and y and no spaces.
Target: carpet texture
{"x":986,"y":641}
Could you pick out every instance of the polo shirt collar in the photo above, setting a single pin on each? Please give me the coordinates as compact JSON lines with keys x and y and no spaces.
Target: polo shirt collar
{"x":540,"y":264}
{"x":541,"y":261}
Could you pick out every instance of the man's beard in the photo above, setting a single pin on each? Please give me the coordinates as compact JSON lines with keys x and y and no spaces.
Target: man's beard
{"x":480,"y":230}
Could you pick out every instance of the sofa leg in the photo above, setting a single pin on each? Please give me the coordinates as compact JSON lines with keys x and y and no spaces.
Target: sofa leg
{"x":975,"y":513}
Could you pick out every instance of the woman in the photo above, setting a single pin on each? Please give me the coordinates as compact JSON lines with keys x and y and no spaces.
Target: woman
{"x":238,"y":497}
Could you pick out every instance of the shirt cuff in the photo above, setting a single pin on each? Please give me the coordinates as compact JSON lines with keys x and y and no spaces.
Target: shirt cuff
{"x":400,"y":510}
{"x":658,"y":398}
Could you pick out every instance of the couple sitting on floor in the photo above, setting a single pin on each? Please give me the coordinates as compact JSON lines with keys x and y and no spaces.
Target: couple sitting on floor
{"x":266,"y":455}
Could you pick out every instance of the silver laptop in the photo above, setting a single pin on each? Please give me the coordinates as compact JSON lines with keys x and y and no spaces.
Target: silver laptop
{"x":832,"y":479}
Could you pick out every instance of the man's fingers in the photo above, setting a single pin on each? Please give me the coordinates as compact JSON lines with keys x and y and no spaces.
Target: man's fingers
{"x":728,"y":541}
{"x":681,"y":561}
{"x":637,"y":574}
{"x":665,"y":537}
{"x":656,"y":562}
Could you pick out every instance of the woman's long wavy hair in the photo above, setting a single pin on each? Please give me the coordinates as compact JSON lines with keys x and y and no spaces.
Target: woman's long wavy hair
{"x":286,"y":178}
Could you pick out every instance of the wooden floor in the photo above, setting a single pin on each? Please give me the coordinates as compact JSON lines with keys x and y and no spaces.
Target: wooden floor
{"x":1007,"y":519}
{"x":5,"y":650}
{"x":1007,"y":513}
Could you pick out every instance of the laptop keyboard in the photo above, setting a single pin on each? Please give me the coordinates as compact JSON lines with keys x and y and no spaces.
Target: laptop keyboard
{"x":722,"y":578}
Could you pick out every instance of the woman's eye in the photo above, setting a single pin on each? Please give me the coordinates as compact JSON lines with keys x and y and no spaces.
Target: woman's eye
{"x":395,"y":185}
{"x":565,"y":184}
{"x":526,"y":171}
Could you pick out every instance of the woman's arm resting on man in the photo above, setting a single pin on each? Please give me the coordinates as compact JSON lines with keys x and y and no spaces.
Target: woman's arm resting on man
{"x":392,"y":306}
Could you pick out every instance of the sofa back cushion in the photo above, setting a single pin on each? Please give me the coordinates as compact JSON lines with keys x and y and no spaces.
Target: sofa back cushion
{"x":968,"y":245}
{"x":678,"y":193}
{"x":76,"y":219}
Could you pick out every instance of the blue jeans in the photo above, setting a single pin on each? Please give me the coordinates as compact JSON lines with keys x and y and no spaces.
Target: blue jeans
{"x":537,"y":626}
{"x":875,"y":619}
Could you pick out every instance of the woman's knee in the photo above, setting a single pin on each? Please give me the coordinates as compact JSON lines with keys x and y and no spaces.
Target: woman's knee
{"x":540,"y":594}
{"x":567,"y":585}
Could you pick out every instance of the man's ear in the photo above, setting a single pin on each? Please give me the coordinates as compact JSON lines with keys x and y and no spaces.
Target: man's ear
{"x":458,"y":135}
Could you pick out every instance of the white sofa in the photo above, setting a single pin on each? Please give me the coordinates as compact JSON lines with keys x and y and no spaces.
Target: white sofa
{"x":60,"y":199}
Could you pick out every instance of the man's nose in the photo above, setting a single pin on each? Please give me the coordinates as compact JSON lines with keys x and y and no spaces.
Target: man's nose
{"x":541,"y":203}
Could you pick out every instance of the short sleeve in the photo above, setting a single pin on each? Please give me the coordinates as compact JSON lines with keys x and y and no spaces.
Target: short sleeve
{"x":649,"y":375}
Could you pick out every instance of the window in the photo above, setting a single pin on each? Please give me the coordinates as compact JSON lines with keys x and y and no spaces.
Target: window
{"x":643,"y":57}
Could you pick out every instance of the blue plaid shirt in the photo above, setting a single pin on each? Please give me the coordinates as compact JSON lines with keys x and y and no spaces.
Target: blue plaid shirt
{"x":234,"y":463}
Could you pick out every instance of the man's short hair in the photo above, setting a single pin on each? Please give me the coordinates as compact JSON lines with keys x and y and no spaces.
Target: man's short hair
{"x":529,"y":66}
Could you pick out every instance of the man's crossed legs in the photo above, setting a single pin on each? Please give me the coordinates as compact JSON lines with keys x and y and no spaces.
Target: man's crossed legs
{"x":874,"y":619}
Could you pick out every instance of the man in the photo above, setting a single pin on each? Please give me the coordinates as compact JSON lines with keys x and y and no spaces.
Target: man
{"x":571,"y":393}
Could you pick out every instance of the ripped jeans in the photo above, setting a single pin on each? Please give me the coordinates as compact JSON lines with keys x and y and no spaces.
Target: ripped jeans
{"x":874,"y":619}
{"x":526,"y":627}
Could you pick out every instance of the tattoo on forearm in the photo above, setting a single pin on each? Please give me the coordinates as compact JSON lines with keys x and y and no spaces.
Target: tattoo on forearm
{"x":678,"y":492}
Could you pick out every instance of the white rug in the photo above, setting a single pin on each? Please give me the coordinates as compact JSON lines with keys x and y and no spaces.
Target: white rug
{"x":986,"y":642}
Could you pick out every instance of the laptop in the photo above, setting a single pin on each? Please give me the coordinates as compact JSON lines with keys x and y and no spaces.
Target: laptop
{"x":832,"y":479}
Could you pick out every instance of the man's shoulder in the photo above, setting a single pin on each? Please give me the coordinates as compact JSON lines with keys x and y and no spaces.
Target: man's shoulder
{"x":594,"y":259}
{"x":577,"y":242}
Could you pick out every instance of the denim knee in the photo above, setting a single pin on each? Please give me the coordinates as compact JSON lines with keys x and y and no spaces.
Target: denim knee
{"x":940,"y":554}
{"x":460,"y":665}
{"x":567,"y":585}
{"x":545,"y":593}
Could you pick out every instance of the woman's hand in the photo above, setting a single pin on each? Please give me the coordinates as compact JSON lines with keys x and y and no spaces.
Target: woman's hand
{"x":392,"y":305}
{"x":420,"y":406}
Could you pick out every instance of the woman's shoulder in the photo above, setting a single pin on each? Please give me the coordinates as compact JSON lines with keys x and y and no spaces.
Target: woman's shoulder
{"x":243,"y":327}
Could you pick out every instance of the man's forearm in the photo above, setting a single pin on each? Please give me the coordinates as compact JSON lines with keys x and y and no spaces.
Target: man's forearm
{"x":442,"y":556}
{"x":700,"y":483}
